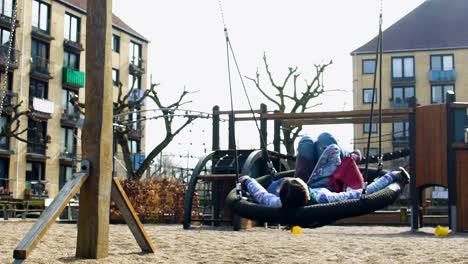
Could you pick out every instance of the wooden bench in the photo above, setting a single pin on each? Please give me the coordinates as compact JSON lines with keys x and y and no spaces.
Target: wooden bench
{"x":16,"y":206}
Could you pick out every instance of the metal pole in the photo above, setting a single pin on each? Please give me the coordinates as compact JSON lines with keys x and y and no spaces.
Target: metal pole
{"x":215,"y":136}
{"x":414,"y":195}
{"x":451,"y":170}
{"x":263,"y":127}
{"x":277,"y":135}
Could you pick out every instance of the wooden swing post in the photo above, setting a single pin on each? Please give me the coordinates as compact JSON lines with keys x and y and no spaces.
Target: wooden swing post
{"x":93,"y":222}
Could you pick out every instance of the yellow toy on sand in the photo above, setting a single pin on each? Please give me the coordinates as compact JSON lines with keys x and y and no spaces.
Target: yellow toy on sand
{"x":296,"y":230}
{"x":441,"y":231}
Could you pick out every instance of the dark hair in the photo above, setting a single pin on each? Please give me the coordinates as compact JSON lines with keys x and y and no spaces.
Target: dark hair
{"x":293,"y":194}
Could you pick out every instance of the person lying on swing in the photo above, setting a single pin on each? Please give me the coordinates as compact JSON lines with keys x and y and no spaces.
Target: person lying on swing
{"x":335,"y":168}
{"x":294,"y":192}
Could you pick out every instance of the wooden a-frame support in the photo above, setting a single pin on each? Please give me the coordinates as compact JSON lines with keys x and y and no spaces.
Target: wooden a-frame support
{"x":38,"y":230}
{"x":95,"y":180}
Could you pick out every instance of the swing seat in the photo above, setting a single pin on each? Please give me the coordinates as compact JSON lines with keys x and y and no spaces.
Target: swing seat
{"x":317,"y":215}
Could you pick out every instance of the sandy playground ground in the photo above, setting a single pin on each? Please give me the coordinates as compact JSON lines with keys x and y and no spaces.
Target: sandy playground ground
{"x":329,"y":244}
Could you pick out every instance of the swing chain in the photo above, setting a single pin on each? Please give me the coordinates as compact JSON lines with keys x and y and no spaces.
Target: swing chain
{"x":4,"y":88}
{"x":222,"y":15}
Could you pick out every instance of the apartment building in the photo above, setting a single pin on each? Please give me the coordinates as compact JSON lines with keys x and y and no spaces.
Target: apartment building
{"x":425,"y":54}
{"x":46,"y":69}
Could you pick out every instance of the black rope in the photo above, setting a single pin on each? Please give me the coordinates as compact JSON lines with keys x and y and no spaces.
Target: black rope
{"x":380,"y":164}
{"x":236,"y":159}
{"x":378,"y":51}
{"x":229,"y":47}
{"x":263,"y":141}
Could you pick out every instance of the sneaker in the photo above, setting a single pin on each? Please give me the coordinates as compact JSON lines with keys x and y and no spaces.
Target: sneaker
{"x":402,"y":175}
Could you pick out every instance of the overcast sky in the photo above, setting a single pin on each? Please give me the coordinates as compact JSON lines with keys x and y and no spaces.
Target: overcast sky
{"x":187,"y":48}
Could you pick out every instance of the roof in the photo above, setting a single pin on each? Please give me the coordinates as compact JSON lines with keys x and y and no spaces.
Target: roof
{"x":433,"y":25}
{"x":81,"y":5}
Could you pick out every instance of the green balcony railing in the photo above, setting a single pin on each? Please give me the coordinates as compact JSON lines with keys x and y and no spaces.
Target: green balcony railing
{"x":72,"y":77}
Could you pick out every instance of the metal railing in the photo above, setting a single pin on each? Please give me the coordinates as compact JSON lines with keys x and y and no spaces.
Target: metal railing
{"x":66,"y":153}
{"x":36,"y":149}
{"x":8,"y":98}
{"x":73,"y":43}
{"x":442,"y":76}
{"x":4,"y":143}
{"x":399,"y":102}
{"x":41,"y":65}
{"x":70,"y":115}
{"x":15,"y":57}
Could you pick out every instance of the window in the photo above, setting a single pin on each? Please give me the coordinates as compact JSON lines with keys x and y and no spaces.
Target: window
{"x":6,"y":8}
{"x":39,"y":49}
{"x":116,"y":43}
{"x":67,"y":107}
{"x":37,"y":89}
{"x":401,"y":131}
{"x":40,"y":16}
{"x":368,"y":66}
{"x":115,"y":77}
{"x":367,"y":96}
{"x":71,"y":60}
{"x":366,"y":128}
{"x":135,"y":53}
{"x":37,"y":132}
{"x":134,"y":82}
{"x":66,"y":174}
{"x":134,"y":146}
{"x":441,"y":62}
{"x":39,"y":56}
{"x":402,"y":67}
{"x":35,"y":176}
{"x":4,"y":141}
{"x":71,"y":30}
{"x":134,"y":119}
{"x":401,"y":94}
{"x":5,"y":38}
{"x":68,"y":140}
{"x":4,"y":164}
{"x":439,"y":93}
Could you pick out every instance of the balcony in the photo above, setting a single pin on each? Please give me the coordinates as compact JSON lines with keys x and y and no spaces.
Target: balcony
{"x":403,"y":80}
{"x":399,"y":102}
{"x":75,"y":79}
{"x":67,"y":156}
{"x":37,"y":151}
{"x":41,"y":34}
{"x":10,"y":99}
{"x":4,"y":187}
{"x":15,"y":56}
{"x":5,"y":145}
{"x":136,"y":66}
{"x":71,"y":45}
{"x":442,"y":76}
{"x":36,"y":189}
{"x":5,"y":21}
{"x":41,"y":68}
{"x":42,"y":108}
{"x":69,"y":117}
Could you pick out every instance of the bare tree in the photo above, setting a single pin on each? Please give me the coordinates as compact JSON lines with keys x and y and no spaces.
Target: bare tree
{"x":12,"y":127}
{"x":130,"y":102}
{"x":297,"y":100}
